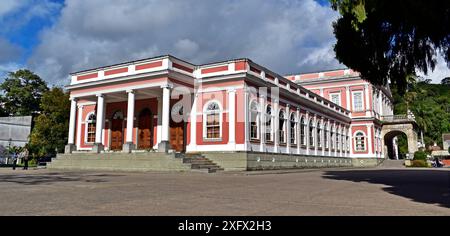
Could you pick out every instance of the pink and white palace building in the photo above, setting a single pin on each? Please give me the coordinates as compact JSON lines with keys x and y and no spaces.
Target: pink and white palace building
{"x":164,"y":104}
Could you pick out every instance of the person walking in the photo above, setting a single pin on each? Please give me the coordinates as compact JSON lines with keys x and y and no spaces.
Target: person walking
{"x":25,"y":159}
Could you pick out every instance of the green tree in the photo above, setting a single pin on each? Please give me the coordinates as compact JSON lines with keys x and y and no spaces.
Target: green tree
{"x":51,"y":126}
{"x":22,"y":93}
{"x":388,"y":40}
{"x":445,"y":81}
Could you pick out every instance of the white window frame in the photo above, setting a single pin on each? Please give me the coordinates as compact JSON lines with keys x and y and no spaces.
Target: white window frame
{"x":86,"y":122}
{"x":362,"y":101}
{"x":293,"y":128}
{"x":313,"y":136}
{"x":257,"y":120}
{"x":303,"y":126}
{"x":339,"y":97}
{"x":266,"y":118}
{"x":364,"y":139}
{"x":319,"y":131}
{"x":205,"y":116}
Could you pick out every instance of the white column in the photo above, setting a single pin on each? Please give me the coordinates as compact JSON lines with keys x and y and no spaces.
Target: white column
{"x":315,"y":135}
{"x":246,"y":120}
{"x":367,"y":103}
{"x":100,"y":118}
{"x":380,"y":103}
{"x":322,"y":138}
{"x":307,"y":132}
{"x":193,"y":144}
{"x":159,"y":123}
{"x":329,"y":138}
{"x":275,"y":125}
{"x":165,"y":113}
{"x":299,"y":126}
{"x":130,"y":116}
{"x":369,"y":139}
{"x":80,"y":110}
{"x":288,"y":128}
{"x":232,"y":116}
{"x":73,"y":114}
{"x":262,"y":125}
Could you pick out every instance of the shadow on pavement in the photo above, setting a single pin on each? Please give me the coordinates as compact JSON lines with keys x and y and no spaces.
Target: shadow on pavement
{"x":426,"y":186}
{"x":50,"y":178}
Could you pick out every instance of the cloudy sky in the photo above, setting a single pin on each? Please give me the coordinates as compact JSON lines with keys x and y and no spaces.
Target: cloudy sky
{"x":56,"y":37}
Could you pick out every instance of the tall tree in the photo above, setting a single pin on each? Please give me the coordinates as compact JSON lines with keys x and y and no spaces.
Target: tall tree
{"x":22,"y":93}
{"x":51,"y":126}
{"x":388,"y":40}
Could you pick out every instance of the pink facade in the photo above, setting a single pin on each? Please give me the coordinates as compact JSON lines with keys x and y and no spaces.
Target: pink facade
{"x":237,"y":105}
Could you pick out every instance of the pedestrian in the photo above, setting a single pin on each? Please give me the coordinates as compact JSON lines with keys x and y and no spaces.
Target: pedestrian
{"x":14,"y":160}
{"x":437,"y":162}
{"x":25,"y":159}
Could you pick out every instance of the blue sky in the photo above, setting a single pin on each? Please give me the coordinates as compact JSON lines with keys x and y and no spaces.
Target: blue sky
{"x":56,"y":37}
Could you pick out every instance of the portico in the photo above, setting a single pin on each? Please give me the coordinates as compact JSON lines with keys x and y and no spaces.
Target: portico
{"x":125,"y":120}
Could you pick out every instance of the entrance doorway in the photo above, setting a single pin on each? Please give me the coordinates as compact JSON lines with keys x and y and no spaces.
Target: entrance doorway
{"x":177,"y":135}
{"x":145,"y":127}
{"x":117,"y":131}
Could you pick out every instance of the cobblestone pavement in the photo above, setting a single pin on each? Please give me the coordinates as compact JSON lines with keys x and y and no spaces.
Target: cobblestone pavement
{"x":302,"y":192}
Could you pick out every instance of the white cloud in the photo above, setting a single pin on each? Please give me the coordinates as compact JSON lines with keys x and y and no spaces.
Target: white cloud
{"x":286,"y":36}
{"x":440,"y":71}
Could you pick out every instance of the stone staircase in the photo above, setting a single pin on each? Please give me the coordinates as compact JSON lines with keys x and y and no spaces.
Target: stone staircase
{"x":392,"y":164}
{"x":143,"y":161}
{"x":200,"y":163}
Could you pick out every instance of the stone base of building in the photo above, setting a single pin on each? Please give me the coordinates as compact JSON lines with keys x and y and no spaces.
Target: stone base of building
{"x":229,"y":161}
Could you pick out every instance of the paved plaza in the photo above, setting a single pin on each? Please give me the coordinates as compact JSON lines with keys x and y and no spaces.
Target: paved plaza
{"x":300,"y":192}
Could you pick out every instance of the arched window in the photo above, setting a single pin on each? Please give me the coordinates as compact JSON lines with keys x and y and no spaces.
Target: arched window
{"x":319,"y":134}
{"x":282,"y":127}
{"x":311,"y":133}
{"x":360,"y":141}
{"x":325,"y":137}
{"x":293,"y":130}
{"x":91,"y":127}
{"x":213,"y":120}
{"x":254,"y":121}
{"x":303,"y":131}
{"x":268,"y":124}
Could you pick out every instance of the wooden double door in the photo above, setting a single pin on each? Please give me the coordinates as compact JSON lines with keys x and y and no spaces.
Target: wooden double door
{"x":145,"y":129}
{"x":116,"y":132}
{"x":177,"y":136}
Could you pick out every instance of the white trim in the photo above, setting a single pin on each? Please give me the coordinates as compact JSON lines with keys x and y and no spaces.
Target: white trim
{"x":86,"y":127}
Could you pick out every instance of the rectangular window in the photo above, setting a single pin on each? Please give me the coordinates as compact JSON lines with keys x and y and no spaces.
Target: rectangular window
{"x":336,"y":98}
{"x":358,"y":101}
{"x":268,"y":128}
{"x":91,"y":133}
{"x":212,"y":126}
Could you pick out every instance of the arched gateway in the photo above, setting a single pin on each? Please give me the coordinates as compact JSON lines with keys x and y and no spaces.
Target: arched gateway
{"x":394,"y":126}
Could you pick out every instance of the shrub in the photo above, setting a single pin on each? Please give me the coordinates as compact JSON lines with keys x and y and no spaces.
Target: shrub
{"x":419,"y":163}
{"x":420,"y":155}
